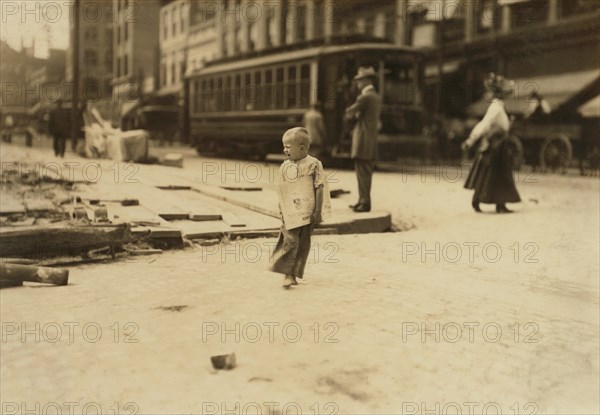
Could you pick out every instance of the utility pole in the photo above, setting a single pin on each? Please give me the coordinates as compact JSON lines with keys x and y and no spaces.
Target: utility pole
{"x":75,"y":92}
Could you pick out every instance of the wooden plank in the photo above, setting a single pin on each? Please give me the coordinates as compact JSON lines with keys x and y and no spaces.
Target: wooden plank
{"x":10,"y":205}
{"x":226,"y":196}
{"x":10,"y":283}
{"x":204,"y":217}
{"x":32,"y":273}
{"x":47,"y":241}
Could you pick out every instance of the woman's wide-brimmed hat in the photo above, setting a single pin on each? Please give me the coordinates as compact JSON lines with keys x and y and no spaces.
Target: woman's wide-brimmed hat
{"x":366,"y":72}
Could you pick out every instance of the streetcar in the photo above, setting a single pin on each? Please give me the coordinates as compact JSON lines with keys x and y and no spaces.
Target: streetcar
{"x":241,"y":106}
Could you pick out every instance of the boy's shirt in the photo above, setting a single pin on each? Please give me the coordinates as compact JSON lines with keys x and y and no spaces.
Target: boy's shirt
{"x":292,"y":171}
{"x":298,"y":179}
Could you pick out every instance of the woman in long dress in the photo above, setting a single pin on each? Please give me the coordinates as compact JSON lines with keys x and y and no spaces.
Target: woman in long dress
{"x":491,"y":174}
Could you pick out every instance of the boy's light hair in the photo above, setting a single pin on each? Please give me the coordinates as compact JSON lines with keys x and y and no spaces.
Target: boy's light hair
{"x":298,"y":135}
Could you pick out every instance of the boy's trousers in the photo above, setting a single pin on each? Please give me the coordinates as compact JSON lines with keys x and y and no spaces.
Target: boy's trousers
{"x":291,"y":251}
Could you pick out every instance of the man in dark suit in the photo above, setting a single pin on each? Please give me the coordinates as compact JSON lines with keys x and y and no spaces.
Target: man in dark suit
{"x":58,"y":128}
{"x":367,"y":111}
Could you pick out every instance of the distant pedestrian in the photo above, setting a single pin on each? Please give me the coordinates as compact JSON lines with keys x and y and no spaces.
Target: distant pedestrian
{"x":367,"y":111}
{"x":9,"y":123}
{"x":59,"y":129}
{"x":491,"y":174}
{"x":301,"y":194}
{"x":314,"y":124}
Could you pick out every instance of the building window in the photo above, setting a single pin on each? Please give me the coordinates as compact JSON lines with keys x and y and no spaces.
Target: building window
{"x":574,"y":7}
{"x":118,"y":71}
{"x":126,"y":30}
{"x":488,"y":16}
{"x":165,"y":24}
{"x":90,"y":34}
{"x":108,"y":38}
{"x":125,"y":65}
{"x":173,"y":23}
{"x":108,"y":60}
{"x":530,"y":12}
{"x":118,"y":37}
{"x":163,"y":74}
{"x":173,"y":72}
{"x":181,"y":19}
{"x":90,"y":58}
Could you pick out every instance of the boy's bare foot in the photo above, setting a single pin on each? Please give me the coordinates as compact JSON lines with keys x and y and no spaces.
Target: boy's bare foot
{"x":288,"y":281}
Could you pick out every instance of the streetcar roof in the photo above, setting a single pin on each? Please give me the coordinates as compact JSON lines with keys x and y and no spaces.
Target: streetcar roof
{"x":296,"y":55}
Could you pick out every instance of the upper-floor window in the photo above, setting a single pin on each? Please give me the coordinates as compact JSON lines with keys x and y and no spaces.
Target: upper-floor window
{"x":181,"y":19}
{"x":126,"y":30}
{"x":165,"y":24}
{"x":90,"y":34}
{"x":90,"y":58}
{"x":574,"y":7}
{"x":528,"y":12}
{"x":173,"y":23}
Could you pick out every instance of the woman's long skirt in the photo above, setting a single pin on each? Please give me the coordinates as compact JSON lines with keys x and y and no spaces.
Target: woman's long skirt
{"x":491,"y":175}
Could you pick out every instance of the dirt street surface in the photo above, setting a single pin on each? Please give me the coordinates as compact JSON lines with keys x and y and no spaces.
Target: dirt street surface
{"x":457,"y":313}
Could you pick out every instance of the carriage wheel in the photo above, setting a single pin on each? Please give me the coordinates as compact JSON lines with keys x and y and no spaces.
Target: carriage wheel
{"x":516,"y":152}
{"x":556,"y":153}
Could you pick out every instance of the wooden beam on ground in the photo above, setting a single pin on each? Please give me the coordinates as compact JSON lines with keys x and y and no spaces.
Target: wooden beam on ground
{"x":47,"y":241}
{"x":32,"y":273}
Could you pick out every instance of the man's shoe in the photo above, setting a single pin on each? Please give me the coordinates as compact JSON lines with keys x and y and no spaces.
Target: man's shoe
{"x":353,"y":206}
{"x":362,"y":208}
{"x":476,"y":206}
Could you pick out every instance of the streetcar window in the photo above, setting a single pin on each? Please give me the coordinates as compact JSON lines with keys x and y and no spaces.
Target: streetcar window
{"x":304,"y":85}
{"x":247,"y":101}
{"x":399,"y":87}
{"x":227,"y":90}
{"x":267,"y":90}
{"x":196,"y":99}
{"x":279,"y":88}
{"x":291,"y":87}
{"x":219,"y":95}
{"x":239,"y":96}
{"x":252,"y":91}
{"x":257,"y":92}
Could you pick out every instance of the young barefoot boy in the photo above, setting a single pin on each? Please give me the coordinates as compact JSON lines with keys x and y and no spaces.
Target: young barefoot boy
{"x":302,"y":180}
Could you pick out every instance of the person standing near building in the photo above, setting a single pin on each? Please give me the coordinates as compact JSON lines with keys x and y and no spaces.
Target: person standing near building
{"x":491,"y":174}
{"x":59,"y":129}
{"x":367,"y":111}
{"x":9,"y":123}
{"x":314,"y":124}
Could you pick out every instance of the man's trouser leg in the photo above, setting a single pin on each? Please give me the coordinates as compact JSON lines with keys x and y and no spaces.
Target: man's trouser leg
{"x":55,"y":140}
{"x":62,"y":143}
{"x":364,"y":175}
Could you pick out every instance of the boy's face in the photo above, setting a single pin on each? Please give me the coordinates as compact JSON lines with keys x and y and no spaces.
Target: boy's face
{"x":294,"y":149}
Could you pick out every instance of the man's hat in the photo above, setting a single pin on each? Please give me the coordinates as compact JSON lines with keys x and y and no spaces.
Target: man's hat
{"x":365,"y":72}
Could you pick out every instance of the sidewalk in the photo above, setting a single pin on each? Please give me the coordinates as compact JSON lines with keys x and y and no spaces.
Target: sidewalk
{"x":496,"y":313}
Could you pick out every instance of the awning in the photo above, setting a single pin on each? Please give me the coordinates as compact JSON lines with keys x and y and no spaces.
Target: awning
{"x":590,"y":108}
{"x":555,"y":89}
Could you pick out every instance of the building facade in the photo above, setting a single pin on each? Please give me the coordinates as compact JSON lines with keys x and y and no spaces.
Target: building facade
{"x":95,"y":49}
{"x":135,"y":49}
{"x":550,"y":46}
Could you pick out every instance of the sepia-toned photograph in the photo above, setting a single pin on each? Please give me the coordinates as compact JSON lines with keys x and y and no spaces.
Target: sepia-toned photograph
{"x":300,"y":207}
